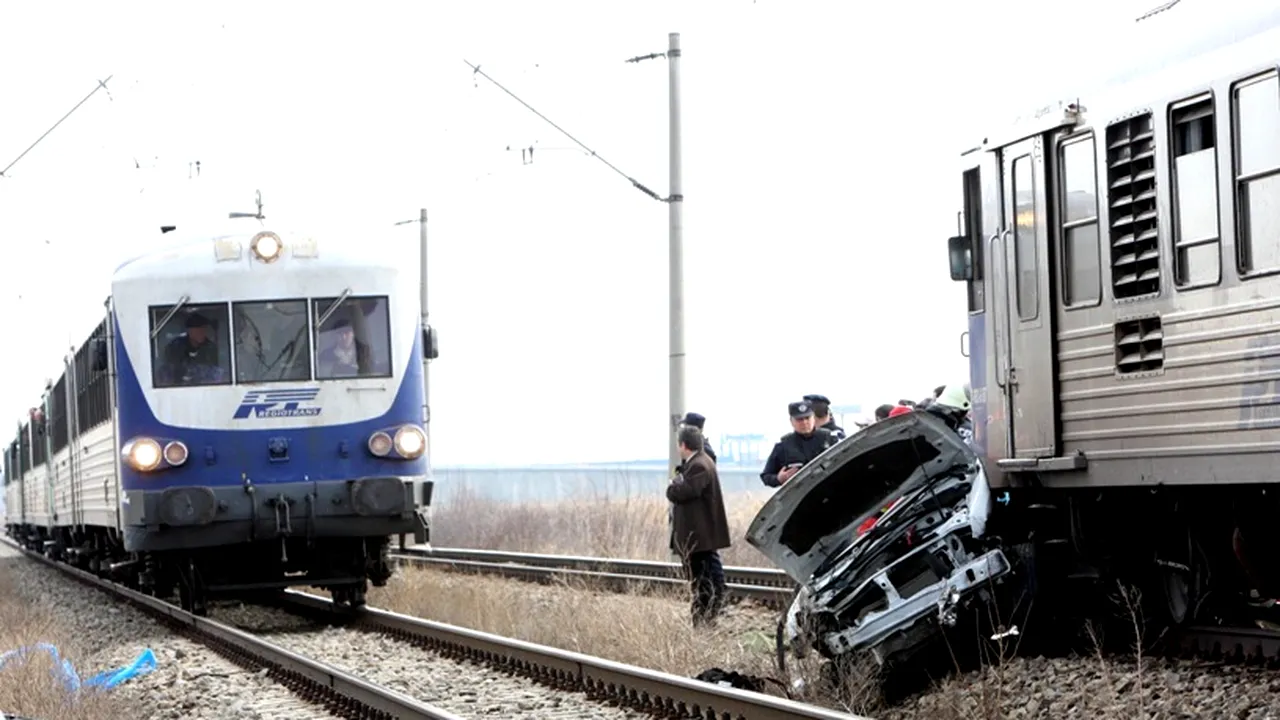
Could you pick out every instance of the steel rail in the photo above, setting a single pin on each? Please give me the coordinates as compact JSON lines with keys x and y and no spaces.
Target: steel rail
{"x":740,"y":575}
{"x":616,"y":582}
{"x":651,"y":691}
{"x":312,"y":680}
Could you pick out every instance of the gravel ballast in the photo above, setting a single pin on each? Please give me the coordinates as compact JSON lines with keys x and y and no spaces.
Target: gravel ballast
{"x":190,"y":681}
{"x":460,"y":687}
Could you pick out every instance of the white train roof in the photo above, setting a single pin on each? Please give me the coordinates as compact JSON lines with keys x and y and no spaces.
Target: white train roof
{"x":228,"y":255}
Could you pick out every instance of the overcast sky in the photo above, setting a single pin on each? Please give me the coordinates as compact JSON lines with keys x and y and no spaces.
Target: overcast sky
{"x":819,"y":148}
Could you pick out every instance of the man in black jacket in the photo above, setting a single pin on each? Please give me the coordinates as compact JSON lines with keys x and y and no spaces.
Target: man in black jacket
{"x":796,"y":449}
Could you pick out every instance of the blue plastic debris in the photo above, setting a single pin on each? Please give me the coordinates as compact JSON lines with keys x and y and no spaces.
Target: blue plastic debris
{"x":145,"y":663}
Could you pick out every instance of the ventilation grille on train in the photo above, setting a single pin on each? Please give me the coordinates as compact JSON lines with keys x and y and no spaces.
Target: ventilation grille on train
{"x":1139,"y":346}
{"x":1131,"y":181}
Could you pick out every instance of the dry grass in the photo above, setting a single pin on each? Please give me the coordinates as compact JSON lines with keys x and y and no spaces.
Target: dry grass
{"x":30,"y":688}
{"x":1105,"y":685}
{"x":651,"y":630}
{"x":632,"y":527}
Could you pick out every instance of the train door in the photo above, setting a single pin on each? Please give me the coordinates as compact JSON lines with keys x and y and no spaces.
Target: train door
{"x":1025,"y":374}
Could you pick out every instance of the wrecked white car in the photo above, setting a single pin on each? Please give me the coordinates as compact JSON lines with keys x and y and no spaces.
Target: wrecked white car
{"x":873,"y":579}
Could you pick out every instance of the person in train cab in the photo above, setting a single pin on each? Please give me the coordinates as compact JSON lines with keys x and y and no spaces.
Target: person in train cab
{"x":341,"y":358}
{"x":699,"y":524}
{"x":192,"y":357}
{"x":693,"y":419}
{"x":822,"y":415}
{"x":796,"y":448}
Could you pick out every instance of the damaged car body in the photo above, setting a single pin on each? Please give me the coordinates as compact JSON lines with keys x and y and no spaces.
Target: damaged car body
{"x":884,"y":534}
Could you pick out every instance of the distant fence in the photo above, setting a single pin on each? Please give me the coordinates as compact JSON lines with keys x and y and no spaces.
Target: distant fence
{"x":551,"y":483}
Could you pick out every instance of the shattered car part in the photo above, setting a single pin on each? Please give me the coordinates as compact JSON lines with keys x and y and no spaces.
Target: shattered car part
{"x":890,"y":588}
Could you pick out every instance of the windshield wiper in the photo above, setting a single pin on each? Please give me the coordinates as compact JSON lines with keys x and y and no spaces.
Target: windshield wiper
{"x":333,"y":308}
{"x":169,"y":315}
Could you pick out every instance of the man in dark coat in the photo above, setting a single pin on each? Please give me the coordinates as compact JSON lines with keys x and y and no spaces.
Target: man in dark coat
{"x":700,"y":527}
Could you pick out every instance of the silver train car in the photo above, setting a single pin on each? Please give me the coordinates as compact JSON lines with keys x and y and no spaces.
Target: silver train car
{"x":1121,"y":252}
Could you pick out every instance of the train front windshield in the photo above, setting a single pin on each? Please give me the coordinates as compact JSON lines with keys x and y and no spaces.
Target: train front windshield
{"x":287,"y":340}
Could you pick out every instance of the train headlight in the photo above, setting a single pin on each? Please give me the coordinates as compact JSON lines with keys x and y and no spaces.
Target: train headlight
{"x":411,"y":442}
{"x":175,"y":453}
{"x":142,"y":454}
{"x":380,"y":444}
{"x":266,"y":246}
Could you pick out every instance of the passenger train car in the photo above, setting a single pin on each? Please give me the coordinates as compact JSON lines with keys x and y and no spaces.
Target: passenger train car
{"x":1121,"y":252}
{"x":247,"y":415}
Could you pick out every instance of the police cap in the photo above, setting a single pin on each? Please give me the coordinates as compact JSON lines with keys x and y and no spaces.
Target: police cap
{"x":817,"y":399}
{"x":800,"y":409}
{"x":196,"y":320}
{"x":693,"y":419}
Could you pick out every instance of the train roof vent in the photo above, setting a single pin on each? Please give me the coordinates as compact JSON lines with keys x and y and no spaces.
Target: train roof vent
{"x":1131,"y":191}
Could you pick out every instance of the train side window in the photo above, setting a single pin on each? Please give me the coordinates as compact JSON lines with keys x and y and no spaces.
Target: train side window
{"x":192,"y":349}
{"x":1081,"y":252}
{"x":271,"y":341}
{"x":1197,"y":258}
{"x":1257,"y":172}
{"x":1024,"y":240}
{"x":93,"y":391}
{"x":354,"y":341}
{"x":973,"y":228}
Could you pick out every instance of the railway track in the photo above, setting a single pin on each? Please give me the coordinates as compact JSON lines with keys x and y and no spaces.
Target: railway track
{"x":767,"y":586}
{"x":342,"y":693}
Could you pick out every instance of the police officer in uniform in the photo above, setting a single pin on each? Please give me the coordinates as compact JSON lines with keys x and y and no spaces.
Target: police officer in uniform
{"x":693,"y":419}
{"x":796,"y":449}
{"x":822,"y":409}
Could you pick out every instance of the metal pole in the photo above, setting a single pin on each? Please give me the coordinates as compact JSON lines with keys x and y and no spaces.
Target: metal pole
{"x":426,"y":361}
{"x":675,"y":206}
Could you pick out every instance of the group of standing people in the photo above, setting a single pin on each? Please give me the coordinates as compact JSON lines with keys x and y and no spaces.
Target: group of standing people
{"x":699,"y":524}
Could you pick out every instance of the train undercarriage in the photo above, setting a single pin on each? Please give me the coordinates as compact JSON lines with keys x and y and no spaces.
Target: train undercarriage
{"x":1142,"y":561}
{"x":345,"y":566}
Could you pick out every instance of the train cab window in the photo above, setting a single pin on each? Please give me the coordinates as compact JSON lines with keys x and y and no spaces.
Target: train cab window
{"x":271,"y":341}
{"x":1257,"y":172}
{"x":354,"y":340}
{"x":1081,"y":253}
{"x":1196,"y":259}
{"x":1024,"y":239}
{"x":192,"y":347}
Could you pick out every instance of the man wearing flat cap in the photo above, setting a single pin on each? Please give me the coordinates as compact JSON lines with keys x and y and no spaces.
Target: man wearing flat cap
{"x":796,"y":448}
{"x":192,"y":358}
{"x":693,"y":419}
{"x":822,"y":415}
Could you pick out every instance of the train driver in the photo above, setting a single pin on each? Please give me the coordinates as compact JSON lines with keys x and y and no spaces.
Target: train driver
{"x":345,"y":354}
{"x":192,"y":357}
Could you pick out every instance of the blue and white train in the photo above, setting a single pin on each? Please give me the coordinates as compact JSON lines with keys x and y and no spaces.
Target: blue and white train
{"x":248,"y":415}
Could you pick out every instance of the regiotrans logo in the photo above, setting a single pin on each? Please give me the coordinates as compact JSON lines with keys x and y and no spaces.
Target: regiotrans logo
{"x":278,"y":404}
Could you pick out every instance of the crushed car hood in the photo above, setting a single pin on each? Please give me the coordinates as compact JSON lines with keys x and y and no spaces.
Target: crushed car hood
{"x":817,"y":512}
